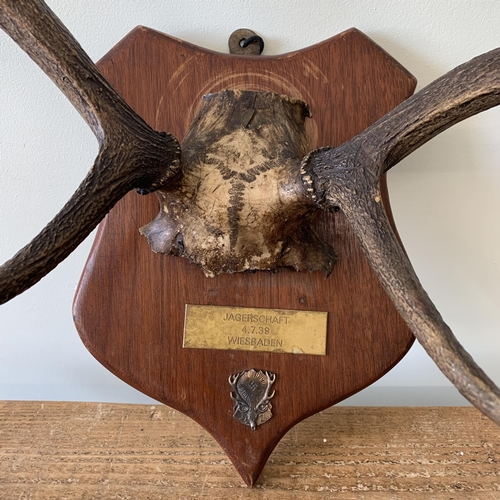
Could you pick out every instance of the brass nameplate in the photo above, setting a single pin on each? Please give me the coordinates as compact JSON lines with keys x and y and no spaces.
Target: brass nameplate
{"x":252,"y":329}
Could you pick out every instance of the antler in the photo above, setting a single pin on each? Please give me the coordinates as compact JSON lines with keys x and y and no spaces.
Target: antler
{"x":349,"y":177}
{"x":131,"y":154}
{"x":270,"y":379}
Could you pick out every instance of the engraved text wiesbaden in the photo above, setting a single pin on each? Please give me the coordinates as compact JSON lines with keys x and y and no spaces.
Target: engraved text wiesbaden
{"x":254,"y":341}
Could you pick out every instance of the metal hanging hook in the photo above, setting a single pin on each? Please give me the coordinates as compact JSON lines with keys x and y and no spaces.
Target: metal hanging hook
{"x":245,"y":42}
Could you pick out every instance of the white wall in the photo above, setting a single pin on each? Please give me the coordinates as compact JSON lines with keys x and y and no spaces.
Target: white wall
{"x":446,"y":196}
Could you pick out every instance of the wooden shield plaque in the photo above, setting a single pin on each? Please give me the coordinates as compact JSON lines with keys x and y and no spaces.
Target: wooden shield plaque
{"x":130,"y":307}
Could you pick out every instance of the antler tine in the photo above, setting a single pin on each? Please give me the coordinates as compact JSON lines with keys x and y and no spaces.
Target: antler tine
{"x":271,"y":378}
{"x":40,"y":33}
{"x":459,"y":94}
{"x":463,"y":92}
{"x":403,"y":287}
{"x":131,"y":155}
{"x":349,"y":177}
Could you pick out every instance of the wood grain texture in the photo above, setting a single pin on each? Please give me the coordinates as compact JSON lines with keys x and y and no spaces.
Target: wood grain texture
{"x":129,"y":307}
{"x":87,"y":451}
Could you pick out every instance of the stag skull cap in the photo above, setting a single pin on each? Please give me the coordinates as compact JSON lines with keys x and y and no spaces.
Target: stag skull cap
{"x":239,"y":204}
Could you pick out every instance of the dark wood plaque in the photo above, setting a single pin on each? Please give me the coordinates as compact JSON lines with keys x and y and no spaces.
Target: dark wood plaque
{"x":130,"y":304}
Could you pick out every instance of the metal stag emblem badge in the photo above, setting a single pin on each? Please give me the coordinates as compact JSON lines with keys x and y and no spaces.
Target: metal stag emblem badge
{"x":251,"y":396}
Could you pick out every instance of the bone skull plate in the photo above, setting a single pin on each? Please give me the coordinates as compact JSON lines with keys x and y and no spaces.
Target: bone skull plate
{"x":239,"y":204}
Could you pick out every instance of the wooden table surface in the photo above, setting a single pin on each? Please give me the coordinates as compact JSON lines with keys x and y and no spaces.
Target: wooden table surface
{"x":98,"y":451}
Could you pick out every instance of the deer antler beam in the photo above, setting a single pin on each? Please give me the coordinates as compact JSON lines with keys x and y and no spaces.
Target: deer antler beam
{"x":349,"y":177}
{"x":131,"y":154}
